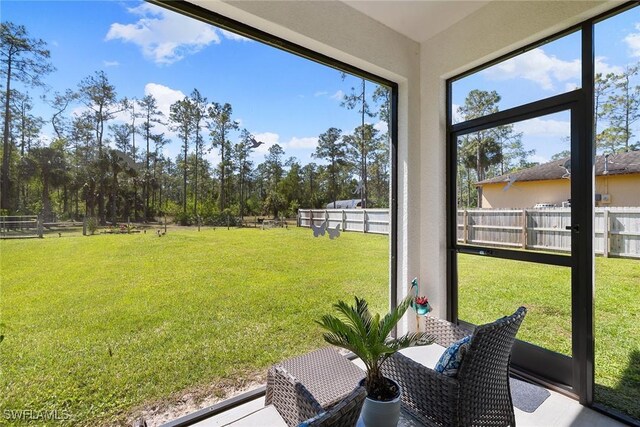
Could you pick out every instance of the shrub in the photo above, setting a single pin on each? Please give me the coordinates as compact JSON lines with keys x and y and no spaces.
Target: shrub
{"x":92,"y":225}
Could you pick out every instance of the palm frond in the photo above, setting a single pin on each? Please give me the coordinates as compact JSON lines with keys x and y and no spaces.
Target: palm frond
{"x":411,"y":339}
{"x":358,"y":317}
{"x":393,"y":317}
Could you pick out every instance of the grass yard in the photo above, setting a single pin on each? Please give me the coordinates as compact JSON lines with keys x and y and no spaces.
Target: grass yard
{"x":490,"y":288}
{"x":95,"y":327}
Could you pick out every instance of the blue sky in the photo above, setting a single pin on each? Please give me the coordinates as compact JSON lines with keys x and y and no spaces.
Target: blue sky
{"x":277,"y":96}
{"x":552,"y":69}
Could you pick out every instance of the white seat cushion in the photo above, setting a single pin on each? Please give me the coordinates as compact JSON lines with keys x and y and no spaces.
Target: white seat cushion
{"x":427,"y":355}
{"x":267,"y":417}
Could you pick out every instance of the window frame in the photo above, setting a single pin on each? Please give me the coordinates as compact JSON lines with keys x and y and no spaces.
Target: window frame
{"x":582,"y":259}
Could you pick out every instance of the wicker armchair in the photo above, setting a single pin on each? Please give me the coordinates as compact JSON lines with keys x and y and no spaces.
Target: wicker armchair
{"x":479,"y":395}
{"x":321,"y":382}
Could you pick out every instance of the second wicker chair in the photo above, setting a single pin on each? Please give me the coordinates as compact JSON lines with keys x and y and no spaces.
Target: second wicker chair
{"x":480,"y":394}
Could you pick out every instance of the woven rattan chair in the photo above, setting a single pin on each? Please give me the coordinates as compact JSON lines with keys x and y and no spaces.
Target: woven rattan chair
{"x":479,"y":395}
{"x":322,"y":381}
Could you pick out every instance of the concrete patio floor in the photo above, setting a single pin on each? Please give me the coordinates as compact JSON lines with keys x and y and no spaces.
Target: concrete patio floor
{"x":557,"y":411}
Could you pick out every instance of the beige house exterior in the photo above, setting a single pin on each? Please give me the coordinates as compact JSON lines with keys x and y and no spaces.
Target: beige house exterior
{"x":617,"y":184}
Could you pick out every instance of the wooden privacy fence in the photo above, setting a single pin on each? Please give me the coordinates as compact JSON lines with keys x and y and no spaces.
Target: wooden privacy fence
{"x":617,"y":230}
{"x":362,"y":220}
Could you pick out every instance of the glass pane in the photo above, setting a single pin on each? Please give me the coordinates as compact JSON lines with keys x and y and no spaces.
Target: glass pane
{"x":617,"y":213}
{"x":489,"y":288}
{"x":514,"y":185}
{"x":548,"y":70}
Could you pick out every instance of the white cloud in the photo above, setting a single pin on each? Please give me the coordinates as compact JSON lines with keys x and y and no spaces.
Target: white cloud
{"x":633,"y":42}
{"x":568,"y":87}
{"x":321,"y":93}
{"x":165,"y":96}
{"x":536,"y":66}
{"x":110,"y":63}
{"x":542,"y":127}
{"x":164,"y":37}
{"x":306,"y":142}
{"x":604,"y":68}
{"x":538,"y":159}
{"x":235,"y":37}
{"x":271,"y":138}
{"x":381,"y":127}
{"x":338,"y":96}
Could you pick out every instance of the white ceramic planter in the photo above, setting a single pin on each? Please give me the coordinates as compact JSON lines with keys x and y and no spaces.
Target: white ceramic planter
{"x":381,"y":414}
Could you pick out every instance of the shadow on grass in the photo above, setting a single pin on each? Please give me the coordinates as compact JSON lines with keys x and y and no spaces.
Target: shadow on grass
{"x":625,"y":397}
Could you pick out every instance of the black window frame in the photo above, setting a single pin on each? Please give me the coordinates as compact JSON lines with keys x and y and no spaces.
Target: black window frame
{"x":582,"y":249}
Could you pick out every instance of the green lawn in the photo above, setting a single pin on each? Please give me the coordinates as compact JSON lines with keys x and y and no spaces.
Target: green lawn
{"x":98,"y":326}
{"x":491,"y":287}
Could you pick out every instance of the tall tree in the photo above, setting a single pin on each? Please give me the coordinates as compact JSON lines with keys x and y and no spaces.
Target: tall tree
{"x":199,"y":107}
{"x":274,"y":166}
{"x":27,"y":129}
{"x":362,"y":146}
{"x":25,"y":60}
{"x":241,"y":153}
{"x":181,"y":116}
{"x":100,"y":98}
{"x":358,"y":99}
{"x":121,"y":133}
{"x":602,"y":87}
{"x":333,"y":148}
{"x":151,"y":116}
{"x":48,"y":164}
{"x":60,"y":102}
{"x":220,"y":125}
{"x":480,"y":150}
{"x":623,"y":109}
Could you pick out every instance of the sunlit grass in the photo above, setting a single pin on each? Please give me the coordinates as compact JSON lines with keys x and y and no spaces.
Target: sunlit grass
{"x":95,"y":326}
{"x":98,"y":326}
{"x":491,"y":288}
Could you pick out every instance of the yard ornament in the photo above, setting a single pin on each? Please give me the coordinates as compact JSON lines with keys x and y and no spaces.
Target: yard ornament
{"x":254,"y":143}
{"x":319,"y":231}
{"x":510,"y":181}
{"x":335,"y":233}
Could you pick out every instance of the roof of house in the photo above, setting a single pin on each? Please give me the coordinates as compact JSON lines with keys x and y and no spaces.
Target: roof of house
{"x":617,"y":164}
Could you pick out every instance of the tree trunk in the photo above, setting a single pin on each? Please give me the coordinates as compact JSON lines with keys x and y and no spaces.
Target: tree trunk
{"x":6,"y":185}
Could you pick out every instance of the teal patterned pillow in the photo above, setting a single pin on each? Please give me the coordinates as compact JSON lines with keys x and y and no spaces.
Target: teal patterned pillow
{"x":451,"y":359}
{"x":310,"y":421}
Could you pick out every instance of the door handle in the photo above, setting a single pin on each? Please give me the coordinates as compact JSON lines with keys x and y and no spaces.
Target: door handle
{"x":575,"y":228}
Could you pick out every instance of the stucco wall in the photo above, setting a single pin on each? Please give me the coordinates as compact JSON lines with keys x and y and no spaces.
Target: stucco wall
{"x":526,"y":194}
{"x":623,"y":190}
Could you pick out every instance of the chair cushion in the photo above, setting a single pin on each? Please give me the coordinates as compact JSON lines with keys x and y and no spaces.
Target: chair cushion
{"x":451,"y":359}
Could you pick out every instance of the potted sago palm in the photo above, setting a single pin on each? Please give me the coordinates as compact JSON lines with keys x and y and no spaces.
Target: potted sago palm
{"x":367,"y":335}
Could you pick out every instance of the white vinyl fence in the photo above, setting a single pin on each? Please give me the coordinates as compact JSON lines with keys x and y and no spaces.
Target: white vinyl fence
{"x":360,"y":220}
{"x":617,"y":230}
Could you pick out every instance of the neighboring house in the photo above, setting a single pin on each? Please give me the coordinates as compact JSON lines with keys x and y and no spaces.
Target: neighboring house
{"x":345,"y":204}
{"x":617,"y":184}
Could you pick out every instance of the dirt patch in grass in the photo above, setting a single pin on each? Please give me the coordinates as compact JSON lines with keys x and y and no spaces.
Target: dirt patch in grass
{"x":192,"y":400}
